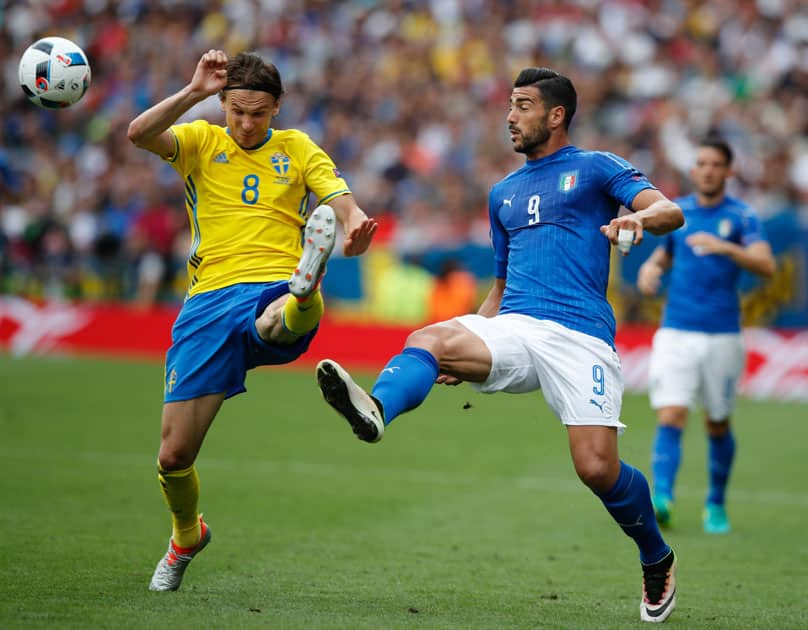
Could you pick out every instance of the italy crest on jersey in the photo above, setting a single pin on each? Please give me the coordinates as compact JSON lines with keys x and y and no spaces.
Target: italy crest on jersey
{"x":568,"y":181}
{"x":724,"y":228}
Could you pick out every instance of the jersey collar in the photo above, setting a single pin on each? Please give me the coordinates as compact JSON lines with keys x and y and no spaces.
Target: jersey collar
{"x":555,"y":154}
{"x":260,"y":144}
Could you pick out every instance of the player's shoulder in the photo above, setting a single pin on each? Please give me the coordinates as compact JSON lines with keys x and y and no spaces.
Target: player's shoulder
{"x":738,"y":206}
{"x":510,"y":178}
{"x":687,"y":203}
{"x":292,"y":137}
{"x":606,"y":159}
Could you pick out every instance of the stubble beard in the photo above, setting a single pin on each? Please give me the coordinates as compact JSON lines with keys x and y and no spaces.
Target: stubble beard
{"x":712,"y":193}
{"x":533,"y":141}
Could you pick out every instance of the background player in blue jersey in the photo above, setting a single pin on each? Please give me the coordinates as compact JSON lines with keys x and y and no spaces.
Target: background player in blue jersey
{"x":698,"y":350}
{"x":247,"y":191}
{"x":546,"y":323}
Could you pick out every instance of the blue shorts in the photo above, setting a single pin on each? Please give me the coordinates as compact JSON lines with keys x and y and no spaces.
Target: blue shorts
{"x":214,"y":341}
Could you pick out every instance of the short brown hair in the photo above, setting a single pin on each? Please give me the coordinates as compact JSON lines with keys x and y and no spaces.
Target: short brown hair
{"x":247,"y":71}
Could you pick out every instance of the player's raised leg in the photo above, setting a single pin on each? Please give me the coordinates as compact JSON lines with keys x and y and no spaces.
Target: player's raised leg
{"x":360,"y":409}
{"x":445,"y":348}
{"x":402,"y":385}
{"x":318,"y":242}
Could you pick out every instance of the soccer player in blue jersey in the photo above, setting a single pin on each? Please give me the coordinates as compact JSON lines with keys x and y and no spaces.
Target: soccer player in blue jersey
{"x":698,"y":351}
{"x":545,"y":323}
{"x":257,"y":256}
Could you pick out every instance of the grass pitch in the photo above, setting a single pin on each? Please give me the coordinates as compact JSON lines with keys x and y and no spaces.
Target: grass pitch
{"x":459,"y":518}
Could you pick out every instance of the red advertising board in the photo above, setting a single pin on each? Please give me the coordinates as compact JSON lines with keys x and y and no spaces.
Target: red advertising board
{"x":776,"y":367}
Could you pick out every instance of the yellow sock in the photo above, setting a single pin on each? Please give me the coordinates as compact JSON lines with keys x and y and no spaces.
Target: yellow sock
{"x":181,"y":492}
{"x":301,"y":316}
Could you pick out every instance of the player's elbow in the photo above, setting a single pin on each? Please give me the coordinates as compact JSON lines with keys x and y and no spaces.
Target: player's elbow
{"x":668,"y":218}
{"x":679,"y":217}
{"x":134,"y":133}
{"x":676,"y":218}
{"x":767,"y":267}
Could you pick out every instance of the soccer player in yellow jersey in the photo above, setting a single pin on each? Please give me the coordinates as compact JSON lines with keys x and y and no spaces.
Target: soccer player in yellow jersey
{"x":256,"y":260}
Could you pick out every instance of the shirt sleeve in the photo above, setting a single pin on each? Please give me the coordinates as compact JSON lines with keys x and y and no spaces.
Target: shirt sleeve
{"x":188,"y":139}
{"x":499,"y":238}
{"x":321,"y":174}
{"x":621,"y":180}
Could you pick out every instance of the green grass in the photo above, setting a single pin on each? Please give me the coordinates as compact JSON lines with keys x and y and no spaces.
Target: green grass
{"x":460,"y":518}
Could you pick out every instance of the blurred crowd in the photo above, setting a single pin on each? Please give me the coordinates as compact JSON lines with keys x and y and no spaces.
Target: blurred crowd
{"x":408,"y":97}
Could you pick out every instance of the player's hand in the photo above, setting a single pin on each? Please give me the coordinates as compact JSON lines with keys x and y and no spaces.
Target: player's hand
{"x":358,"y":237}
{"x":649,"y":278}
{"x":626,"y":222}
{"x":704,"y":243}
{"x":446,"y":379}
{"x":210,"y":75}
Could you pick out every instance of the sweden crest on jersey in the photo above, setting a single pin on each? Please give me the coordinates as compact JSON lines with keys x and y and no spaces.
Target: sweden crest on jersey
{"x":280,"y":164}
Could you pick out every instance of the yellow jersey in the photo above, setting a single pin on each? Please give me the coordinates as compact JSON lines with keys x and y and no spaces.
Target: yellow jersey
{"x":247,"y":207}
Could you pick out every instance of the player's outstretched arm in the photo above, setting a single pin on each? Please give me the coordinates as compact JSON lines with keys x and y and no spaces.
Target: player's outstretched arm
{"x":756,"y":257}
{"x":150,"y":129}
{"x":359,"y":229}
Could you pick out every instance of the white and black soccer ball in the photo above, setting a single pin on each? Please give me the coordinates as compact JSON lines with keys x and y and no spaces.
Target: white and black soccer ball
{"x":54,"y":72}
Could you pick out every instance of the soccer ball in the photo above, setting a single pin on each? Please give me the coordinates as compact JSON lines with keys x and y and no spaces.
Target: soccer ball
{"x":54,"y":72}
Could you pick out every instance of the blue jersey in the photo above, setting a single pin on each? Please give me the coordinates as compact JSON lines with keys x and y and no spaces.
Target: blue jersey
{"x":703,"y":290}
{"x":545,"y":227}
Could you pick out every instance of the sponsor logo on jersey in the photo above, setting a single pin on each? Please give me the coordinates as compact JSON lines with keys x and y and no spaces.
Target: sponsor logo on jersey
{"x":568,"y":181}
{"x":221,"y":158}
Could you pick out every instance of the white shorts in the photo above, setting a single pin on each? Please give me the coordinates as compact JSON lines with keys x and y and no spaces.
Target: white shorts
{"x":579,"y":375}
{"x":691,"y":366}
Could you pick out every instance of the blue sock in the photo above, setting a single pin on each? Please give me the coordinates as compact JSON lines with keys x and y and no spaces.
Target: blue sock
{"x":629,"y":503}
{"x":721,"y":454}
{"x":665,"y":458}
{"x":405,"y":381}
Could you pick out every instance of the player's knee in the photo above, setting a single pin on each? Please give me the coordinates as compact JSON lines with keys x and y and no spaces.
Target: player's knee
{"x":172,"y":458}
{"x":433,"y":338}
{"x":268,"y":323}
{"x":444,"y":340}
{"x":717,"y":428}
{"x":673,"y":416}
{"x":596,"y":474}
